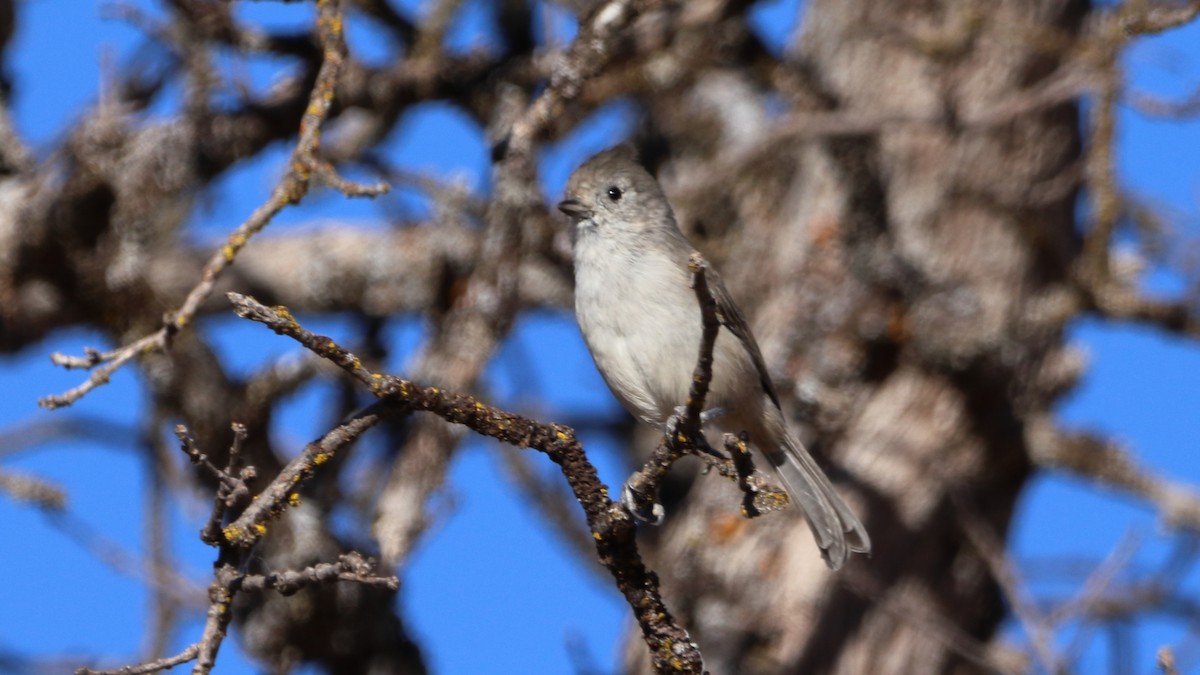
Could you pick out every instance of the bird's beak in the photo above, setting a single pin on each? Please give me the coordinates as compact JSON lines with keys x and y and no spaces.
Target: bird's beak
{"x":575,"y":209}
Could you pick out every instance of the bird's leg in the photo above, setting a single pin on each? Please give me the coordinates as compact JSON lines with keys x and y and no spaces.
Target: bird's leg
{"x":680,"y":414}
{"x":711,"y":414}
{"x":674,"y":427}
{"x":638,"y":494}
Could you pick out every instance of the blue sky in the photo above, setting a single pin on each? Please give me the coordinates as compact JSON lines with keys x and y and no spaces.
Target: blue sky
{"x":531,"y":600}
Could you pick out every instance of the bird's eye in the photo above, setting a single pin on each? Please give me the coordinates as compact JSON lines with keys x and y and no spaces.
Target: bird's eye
{"x":614,"y":193}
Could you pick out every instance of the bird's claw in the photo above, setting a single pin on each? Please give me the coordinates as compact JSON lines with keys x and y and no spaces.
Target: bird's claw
{"x":644,"y":510}
{"x":711,"y":414}
{"x":676,"y":419}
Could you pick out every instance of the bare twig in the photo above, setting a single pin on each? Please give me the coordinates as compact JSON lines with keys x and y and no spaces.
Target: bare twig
{"x":1165,"y":658}
{"x":861,"y":581}
{"x":991,"y":549}
{"x":1187,"y":107}
{"x":283,"y":491}
{"x":1094,"y":590}
{"x":36,"y":491}
{"x":229,"y":580}
{"x":166,"y":580}
{"x":349,"y":567}
{"x":155,"y":666}
{"x":1149,"y":18}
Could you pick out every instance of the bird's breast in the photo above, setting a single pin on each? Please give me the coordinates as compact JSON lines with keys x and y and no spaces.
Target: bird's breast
{"x":641,"y":322}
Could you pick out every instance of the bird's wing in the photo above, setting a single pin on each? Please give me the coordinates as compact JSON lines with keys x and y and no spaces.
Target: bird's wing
{"x":731,"y":317}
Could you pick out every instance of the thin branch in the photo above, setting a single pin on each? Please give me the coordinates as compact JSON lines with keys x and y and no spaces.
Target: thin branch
{"x":1149,"y":18}
{"x":991,"y":549}
{"x":216,"y":624}
{"x":40,"y":493}
{"x":112,"y":554}
{"x":861,"y":581}
{"x":1165,"y":659}
{"x":167,"y":663}
{"x":1095,"y":587}
{"x":1098,"y":288}
{"x":283,"y":491}
{"x":1114,"y":300}
{"x":1185,"y":108}
{"x":351,"y":567}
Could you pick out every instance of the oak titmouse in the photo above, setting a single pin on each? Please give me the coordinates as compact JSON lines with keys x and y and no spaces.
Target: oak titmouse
{"x":642,"y":323}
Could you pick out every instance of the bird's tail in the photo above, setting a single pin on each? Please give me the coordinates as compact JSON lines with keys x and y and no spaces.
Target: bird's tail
{"x":835,"y":527}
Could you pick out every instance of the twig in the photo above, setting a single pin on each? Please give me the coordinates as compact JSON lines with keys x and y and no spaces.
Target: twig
{"x":1188,"y":106}
{"x":1115,"y":300}
{"x":111,"y":553}
{"x":216,"y":624}
{"x":164,"y":609}
{"x":744,"y":465}
{"x":36,"y":432}
{"x":1095,"y":587}
{"x":1165,"y":659}
{"x":233,"y":489}
{"x":1149,"y":18}
{"x":251,"y":524}
{"x":38,"y":492}
{"x":186,"y":655}
{"x":349,"y":567}
{"x":294,"y":185}
{"x":991,"y":550}
{"x":611,"y":526}
{"x":861,"y":581}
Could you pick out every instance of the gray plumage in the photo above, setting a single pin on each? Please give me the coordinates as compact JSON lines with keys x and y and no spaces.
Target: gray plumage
{"x":641,"y":322}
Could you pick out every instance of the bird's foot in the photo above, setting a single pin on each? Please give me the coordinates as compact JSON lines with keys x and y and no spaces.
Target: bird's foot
{"x":676,"y":419}
{"x":644,"y":509}
{"x":673,"y":429}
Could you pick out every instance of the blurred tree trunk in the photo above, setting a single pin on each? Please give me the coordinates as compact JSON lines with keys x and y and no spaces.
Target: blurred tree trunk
{"x":908,"y":281}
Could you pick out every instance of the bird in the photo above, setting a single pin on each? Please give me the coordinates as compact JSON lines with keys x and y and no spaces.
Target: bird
{"x":642,"y":323}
